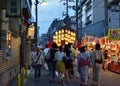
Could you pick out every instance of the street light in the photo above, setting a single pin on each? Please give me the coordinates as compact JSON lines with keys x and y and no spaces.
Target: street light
{"x":43,"y":3}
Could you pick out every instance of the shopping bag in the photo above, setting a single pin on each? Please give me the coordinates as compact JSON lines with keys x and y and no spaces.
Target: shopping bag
{"x":56,"y":73}
{"x":45,"y":66}
{"x":76,"y":73}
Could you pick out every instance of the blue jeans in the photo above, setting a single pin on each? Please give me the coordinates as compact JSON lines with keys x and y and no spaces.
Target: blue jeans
{"x":52,"y":70}
{"x":37,"y":73}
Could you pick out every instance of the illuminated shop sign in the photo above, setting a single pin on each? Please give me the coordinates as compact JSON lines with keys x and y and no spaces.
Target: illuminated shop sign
{"x":114,"y":34}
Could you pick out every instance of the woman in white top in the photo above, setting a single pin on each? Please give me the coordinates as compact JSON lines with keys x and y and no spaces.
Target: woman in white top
{"x":38,"y":59}
{"x":60,"y":66}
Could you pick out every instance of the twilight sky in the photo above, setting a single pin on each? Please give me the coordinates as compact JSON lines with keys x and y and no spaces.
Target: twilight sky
{"x":46,"y":14}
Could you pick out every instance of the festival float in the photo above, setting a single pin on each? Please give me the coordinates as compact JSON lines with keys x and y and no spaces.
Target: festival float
{"x":64,"y":36}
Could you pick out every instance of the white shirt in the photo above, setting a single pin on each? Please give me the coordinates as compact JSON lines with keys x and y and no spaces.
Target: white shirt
{"x":40,"y":60}
{"x":59,"y":55}
{"x":45,"y":51}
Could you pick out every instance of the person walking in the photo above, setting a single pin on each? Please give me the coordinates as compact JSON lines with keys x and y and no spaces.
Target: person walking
{"x":97,"y":58}
{"x":89,"y":53}
{"x":60,"y":66}
{"x":45,"y":51}
{"x":52,"y":62}
{"x":105,"y":64}
{"x":32,"y":54}
{"x":38,"y":59}
{"x":68,"y":62}
{"x":83,"y":66}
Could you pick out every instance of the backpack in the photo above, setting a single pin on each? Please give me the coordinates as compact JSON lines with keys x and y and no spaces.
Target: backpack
{"x":98,"y":57}
{"x":84,"y":61}
{"x":52,"y":56}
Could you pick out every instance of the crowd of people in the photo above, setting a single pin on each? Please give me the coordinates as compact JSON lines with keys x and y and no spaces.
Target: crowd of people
{"x":67,"y":61}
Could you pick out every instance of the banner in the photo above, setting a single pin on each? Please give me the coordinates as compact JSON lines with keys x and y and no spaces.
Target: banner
{"x":114,"y":34}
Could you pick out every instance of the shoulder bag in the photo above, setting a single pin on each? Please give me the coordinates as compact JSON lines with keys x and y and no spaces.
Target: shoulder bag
{"x":35,"y":63}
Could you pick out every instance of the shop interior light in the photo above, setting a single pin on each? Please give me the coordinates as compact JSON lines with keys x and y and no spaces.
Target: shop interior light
{"x":93,"y":43}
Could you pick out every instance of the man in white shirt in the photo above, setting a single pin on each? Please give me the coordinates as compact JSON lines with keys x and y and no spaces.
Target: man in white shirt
{"x":45,"y":50}
{"x":44,"y":53}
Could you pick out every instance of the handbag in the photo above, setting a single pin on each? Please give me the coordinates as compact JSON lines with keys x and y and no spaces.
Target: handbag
{"x":35,"y":63}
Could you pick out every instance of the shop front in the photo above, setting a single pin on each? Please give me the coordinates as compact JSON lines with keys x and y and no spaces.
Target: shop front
{"x":89,"y":41}
{"x":114,"y":50}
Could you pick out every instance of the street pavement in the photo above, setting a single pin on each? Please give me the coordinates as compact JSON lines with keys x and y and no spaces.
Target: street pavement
{"x":107,"y":79}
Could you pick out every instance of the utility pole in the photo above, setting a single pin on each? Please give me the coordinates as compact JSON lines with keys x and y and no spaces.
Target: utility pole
{"x":77,"y":37}
{"x":106,"y":17}
{"x":36,"y":23}
{"x":66,"y":7}
{"x":119,"y":14}
{"x":66,"y":19}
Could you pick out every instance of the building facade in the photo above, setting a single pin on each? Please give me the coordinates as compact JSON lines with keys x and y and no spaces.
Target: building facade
{"x":91,"y":18}
{"x":11,"y":42}
{"x":113,"y":14}
{"x":95,"y":17}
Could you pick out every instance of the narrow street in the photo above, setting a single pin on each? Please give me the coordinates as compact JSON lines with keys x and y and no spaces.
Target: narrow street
{"x":28,"y":27}
{"x":107,"y":79}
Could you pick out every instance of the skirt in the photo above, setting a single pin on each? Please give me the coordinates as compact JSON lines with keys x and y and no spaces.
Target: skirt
{"x":60,"y":66}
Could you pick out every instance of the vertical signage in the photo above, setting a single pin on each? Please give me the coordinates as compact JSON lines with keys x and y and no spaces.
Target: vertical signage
{"x":13,"y":8}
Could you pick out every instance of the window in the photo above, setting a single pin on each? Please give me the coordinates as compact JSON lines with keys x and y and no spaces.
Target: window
{"x":13,"y":6}
{"x":89,"y":20}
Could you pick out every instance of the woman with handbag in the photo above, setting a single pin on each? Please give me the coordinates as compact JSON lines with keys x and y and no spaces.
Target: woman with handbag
{"x":38,"y":61}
